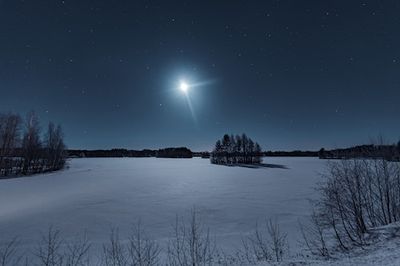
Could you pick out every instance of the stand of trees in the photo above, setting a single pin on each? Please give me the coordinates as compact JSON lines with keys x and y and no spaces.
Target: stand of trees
{"x":181,"y":152}
{"x":23,"y":149}
{"x":358,"y":195}
{"x":231,"y":150}
{"x":296,"y":153}
{"x":113,"y":153}
{"x":388,"y":152}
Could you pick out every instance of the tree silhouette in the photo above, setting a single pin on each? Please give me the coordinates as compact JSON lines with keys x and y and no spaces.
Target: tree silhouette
{"x":31,"y":144}
{"x":233,"y":150}
{"x":29,"y":153}
{"x":9,"y":139}
{"x":55,"y":147}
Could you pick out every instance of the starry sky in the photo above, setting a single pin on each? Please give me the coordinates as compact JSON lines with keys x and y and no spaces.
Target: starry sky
{"x":290,"y":74}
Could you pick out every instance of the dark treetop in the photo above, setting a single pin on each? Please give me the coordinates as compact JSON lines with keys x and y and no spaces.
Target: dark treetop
{"x":292,"y":74}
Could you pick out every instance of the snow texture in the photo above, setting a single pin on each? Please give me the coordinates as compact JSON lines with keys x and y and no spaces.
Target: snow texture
{"x":95,"y":195}
{"x":383,"y":250}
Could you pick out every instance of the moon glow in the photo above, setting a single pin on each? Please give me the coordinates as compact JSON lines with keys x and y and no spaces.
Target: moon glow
{"x":184,"y":87}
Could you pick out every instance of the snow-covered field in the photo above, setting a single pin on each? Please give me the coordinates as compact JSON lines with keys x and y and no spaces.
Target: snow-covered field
{"x":98,"y":194}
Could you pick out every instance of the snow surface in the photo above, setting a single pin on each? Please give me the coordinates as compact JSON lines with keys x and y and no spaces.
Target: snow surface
{"x":94,"y":195}
{"x":383,"y":249}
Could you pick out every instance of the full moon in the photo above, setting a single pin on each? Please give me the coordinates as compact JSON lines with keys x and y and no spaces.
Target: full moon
{"x":183,"y":86}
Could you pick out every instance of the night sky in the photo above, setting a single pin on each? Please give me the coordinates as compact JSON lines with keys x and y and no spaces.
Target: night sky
{"x":290,"y":74}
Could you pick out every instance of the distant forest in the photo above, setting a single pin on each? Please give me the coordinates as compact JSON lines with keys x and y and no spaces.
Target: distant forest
{"x":180,"y":152}
{"x":388,"y":152}
{"x":25,"y":150}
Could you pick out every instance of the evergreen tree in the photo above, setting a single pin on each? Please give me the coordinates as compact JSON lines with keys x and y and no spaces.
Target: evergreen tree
{"x":237,"y":149}
{"x":321,"y":153}
{"x":244,"y":147}
{"x":216,"y":153}
{"x":232,"y":150}
{"x":251,"y":152}
{"x":226,"y":142}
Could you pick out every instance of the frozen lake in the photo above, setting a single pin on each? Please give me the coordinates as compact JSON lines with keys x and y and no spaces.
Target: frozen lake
{"x":97,"y":194}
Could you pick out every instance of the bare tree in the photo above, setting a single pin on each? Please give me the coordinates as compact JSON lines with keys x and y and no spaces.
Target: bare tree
{"x":9,"y":254}
{"x":314,"y":237}
{"x":191,"y":244}
{"x":115,"y":253}
{"x":27,"y":155}
{"x":31,"y":144}
{"x":278,"y":239}
{"x":359,"y":194}
{"x":49,"y":251}
{"x":9,"y":138}
{"x":142,"y":250}
{"x":77,"y":252}
{"x":265,"y":245}
{"x":259,"y":245}
{"x":55,"y":147}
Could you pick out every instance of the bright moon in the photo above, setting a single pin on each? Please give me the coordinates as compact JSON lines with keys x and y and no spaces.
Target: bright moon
{"x":184,"y":86}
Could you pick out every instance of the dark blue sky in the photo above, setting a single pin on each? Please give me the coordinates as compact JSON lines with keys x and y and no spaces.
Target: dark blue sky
{"x":291,"y":74}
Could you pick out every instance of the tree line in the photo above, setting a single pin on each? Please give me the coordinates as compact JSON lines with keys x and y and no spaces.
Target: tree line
{"x":180,"y":152}
{"x":388,"y":152}
{"x":112,"y":153}
{"x":231,"y":150}
{"x":25,"y":150}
